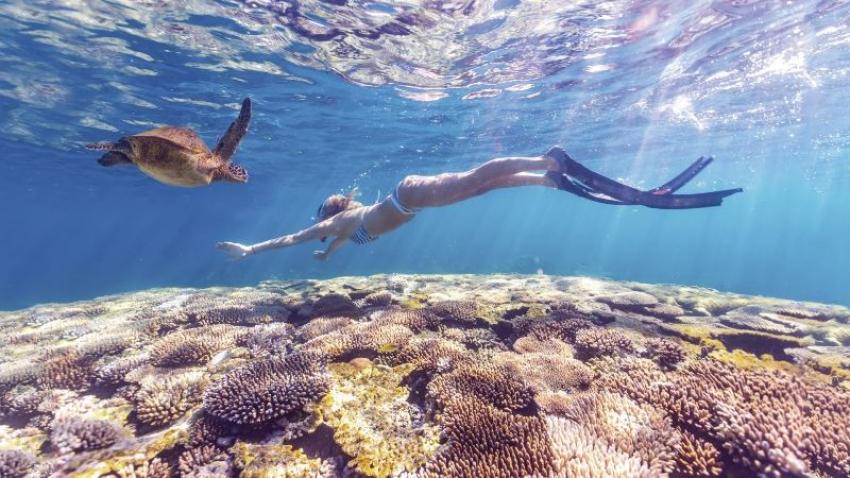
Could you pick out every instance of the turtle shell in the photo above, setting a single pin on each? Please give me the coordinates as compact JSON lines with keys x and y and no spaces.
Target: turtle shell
{"x":175,"y":156}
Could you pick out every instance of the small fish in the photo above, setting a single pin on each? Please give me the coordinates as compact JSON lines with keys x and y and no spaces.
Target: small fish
{"x":219,"y":358}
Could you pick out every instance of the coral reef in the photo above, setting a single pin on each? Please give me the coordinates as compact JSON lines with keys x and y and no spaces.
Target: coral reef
{"x":194,"y":346}
{"x":264,"y":390}
{"x":160,"y":401}
{"x":74,"y":434}
{"x":15,"y":463}
{"x":426,"y":376}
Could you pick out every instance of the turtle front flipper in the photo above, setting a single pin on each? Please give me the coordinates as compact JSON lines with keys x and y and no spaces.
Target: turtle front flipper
{"x":230,"y":141}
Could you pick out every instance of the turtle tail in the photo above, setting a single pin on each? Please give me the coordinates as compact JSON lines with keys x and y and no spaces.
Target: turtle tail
{"x":230,"y":141}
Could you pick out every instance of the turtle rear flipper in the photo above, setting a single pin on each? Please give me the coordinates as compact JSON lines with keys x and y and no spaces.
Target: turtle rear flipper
{"x":230,"y":141}
{"x":112,"y":158}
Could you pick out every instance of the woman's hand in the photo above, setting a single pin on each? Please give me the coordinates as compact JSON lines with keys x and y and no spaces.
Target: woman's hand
{"x":235,"y":249}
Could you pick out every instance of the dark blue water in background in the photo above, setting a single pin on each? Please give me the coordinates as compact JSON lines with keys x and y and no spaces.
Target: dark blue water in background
{"x":636,"y":90}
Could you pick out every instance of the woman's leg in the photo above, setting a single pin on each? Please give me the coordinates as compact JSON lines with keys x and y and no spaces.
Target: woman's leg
{"x":448,"y":188}
{"x":515,"y":181}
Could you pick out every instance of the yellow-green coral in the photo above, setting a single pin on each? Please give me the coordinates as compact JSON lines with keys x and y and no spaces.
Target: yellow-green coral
{"x":373,"y":420}
{"x":275,"y":461}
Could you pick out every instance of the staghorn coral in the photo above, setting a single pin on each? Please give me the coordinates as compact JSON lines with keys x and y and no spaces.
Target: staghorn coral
{"x":529,"y":344}
{"x":17,"y":373}
{"x":597,"y":341}
{"x":163,"y":400}
{"x":264,"y":390}
{"x":206,"y":430}
{"x":697,"y":458}
{"x":463,"y":312}
{"x":70,"y":434}
{"x":15,"y":463}
{"x":665,"y":352}
{"x":194,"y":346}
{"x":485,"y":441}
{"x":492,"y":384}
{"x":375,"y":423}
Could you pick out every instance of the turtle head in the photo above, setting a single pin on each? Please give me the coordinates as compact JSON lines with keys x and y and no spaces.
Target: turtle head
{"x":116,"y":153}
{"x":232,"y":173}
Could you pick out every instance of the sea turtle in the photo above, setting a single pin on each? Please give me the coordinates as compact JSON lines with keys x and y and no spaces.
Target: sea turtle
{"x":177,"y":156}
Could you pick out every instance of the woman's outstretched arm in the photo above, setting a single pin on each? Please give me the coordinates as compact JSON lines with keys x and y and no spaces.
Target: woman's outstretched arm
{"x":325,"y":228}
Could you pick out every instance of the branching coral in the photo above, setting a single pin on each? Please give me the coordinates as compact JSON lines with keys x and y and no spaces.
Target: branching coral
{"x":615,"y":422}
{"x":163,"y":400}
{"x":70,"y":370}
{"x":321,"y":326}
{"x":15,"y":463}
{"x":462,"y":312}
{"x":416,"y":320}
{"x":548,"y":328}
{"x":333,"y":304}
{"x":264,"y":390}
{"x":769,"y":421}
{"x":697,"y":458}
{"x":194,"y":346}
{"x":360,"y":339}
{"x":485,"y":441}
{"x":73,"y":434}
{"x":114,"y":371}
{"x":665,"y":352}
{"x":492,"y":384}
{"x":154,"y":468}
{"x":547,"y":372}
{"x":193,"y":461}
{"x":597,"y":341}
{"x":431,"y":355}
{"x":269,"y":339}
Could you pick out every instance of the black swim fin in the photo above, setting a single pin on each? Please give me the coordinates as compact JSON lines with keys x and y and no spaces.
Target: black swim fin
{"x":683,"y":178}
{"x":589,"y":184}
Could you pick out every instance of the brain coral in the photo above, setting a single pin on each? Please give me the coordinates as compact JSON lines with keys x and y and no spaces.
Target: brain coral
{"x":267,"y":389}
{"x":15,"y":463}
{"x":73,"y":434}
{"x":163,"y":400}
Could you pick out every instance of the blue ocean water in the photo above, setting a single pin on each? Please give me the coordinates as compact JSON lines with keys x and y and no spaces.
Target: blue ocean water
{"x":361,"y":93}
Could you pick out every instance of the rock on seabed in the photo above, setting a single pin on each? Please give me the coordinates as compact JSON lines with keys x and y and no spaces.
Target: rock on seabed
{"x":426,"y":376}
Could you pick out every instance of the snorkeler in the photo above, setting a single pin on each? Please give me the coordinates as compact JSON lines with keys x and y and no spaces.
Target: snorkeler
{"x":342,"y":217}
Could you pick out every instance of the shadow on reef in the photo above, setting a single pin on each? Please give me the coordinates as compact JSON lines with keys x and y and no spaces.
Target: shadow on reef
{"x":426,"y":376}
